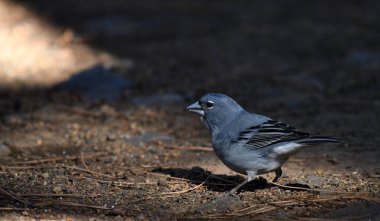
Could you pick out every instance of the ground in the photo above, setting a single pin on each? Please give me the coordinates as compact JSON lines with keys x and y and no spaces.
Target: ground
{"x":140,"y":156}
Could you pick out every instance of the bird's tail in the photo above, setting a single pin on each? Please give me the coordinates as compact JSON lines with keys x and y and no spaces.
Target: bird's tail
{"x":323,"y":139}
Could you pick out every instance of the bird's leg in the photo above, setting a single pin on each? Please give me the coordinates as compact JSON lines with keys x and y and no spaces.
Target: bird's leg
{"x":278,"y":175}
{"x":251,"y":176}
{"x":234,"y":190}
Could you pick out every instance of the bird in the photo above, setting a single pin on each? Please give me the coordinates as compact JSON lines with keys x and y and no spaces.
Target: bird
{"x":249,"y":143}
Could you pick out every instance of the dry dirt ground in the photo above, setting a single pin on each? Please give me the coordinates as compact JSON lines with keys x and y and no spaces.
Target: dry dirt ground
{"x":311,"y":64}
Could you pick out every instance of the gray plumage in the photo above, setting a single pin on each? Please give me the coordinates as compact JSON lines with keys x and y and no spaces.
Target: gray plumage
{"x":249,"y":143}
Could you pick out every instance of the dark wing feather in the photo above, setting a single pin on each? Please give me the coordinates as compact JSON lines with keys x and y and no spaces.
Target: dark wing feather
{"x":269,"y":133}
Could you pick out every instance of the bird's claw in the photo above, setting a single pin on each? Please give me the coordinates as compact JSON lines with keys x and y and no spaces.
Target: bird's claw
{"x":230,"y":194}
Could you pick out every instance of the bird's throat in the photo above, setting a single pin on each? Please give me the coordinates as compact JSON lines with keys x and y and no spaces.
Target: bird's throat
{"x":204,"y":122}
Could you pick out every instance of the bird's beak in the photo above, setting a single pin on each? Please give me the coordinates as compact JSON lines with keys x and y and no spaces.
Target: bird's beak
{"x":196,"y":108}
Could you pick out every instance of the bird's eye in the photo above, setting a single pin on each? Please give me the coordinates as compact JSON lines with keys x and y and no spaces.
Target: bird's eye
{"x":209,"y":104}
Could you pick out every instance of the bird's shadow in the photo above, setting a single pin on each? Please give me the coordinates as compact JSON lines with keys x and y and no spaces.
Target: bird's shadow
{"x":214,"y":182}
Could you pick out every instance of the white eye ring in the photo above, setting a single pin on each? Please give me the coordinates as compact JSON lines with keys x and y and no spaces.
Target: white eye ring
{"x":209,"y":104}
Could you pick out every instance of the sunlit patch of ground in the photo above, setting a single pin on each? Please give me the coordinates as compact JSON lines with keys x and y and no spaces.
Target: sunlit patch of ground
{"x":33,"y":53}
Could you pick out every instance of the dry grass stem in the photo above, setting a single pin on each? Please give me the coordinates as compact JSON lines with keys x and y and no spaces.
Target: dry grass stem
{"x":14,"y":197}
{"x":83,"y":162}
{"x":12,"y":209}
{"x":189,"y":148}
{"x":89,"y":171}
{"x":63,"y":203}
{"x":55,"y":159}
{"x":183,"y":191}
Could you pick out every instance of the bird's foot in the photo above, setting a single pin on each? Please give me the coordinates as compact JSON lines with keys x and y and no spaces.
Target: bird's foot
{"x":273,"y":188}
{"x":230,"y":194}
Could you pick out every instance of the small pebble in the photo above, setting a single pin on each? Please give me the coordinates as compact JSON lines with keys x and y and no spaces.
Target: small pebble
{"x":57,"y":189}
{"x":111,"y":137}
{"x":45,"y":175}
{"x":162,"y":182}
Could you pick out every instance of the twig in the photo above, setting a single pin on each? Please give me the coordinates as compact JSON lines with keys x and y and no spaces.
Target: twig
{"x":60,"y":166}
{"x":189,"y":148}
{"x":57,"y":159}
{"x":52,"y":195}
{"x":285,"y":203}
{"x":62,"y":203}
{"x":12,"y":209}
{"x":316,"y":219}
{"x":183,"y":191}
{"x":256,"y":211}
{"x":260,"y":210}
{"x":88,"y":171}
{"x":120,"y":183}
{"x":244,"y":209}
{"x":166,"y":176}
{"x":14,"y":197}
{"x":21,"y":167}
{"x":303,"y":188}
{"x":82,"y":159}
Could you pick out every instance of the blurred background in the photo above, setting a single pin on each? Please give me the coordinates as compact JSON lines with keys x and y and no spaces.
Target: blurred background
{"x":248,"y":49}
{"x":90,"y":76}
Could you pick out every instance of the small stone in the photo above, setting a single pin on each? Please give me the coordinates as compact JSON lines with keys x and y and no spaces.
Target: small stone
{"x":110,"y":159}
{"x":141,"y":217}
{"x":45,"y":175}
{"x":320,"y":173}
{"x":111,"y":137}
{"x":25,"y":213}
{"x":335,"y":181}
{"x":222,"y":204}
{"x":120,"y":173}
{"x":39,"y":142}
{"x":4,"y":150}
{"x":118,"y":212}
{"x":315,"y":181}
{"x":57,"y":189}
{"x":162,"y":182}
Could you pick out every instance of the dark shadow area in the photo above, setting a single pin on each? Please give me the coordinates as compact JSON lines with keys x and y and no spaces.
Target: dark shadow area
{"x":221,"y":182}
{"x":213,"y":182}
{"x":271,"y":50}
{"x":96,"y":84}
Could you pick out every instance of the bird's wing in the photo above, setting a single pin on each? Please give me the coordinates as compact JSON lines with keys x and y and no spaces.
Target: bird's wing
{"x":268,"y":133}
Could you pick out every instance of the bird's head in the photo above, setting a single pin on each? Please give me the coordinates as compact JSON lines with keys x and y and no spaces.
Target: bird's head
{"x":215,"y":110}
